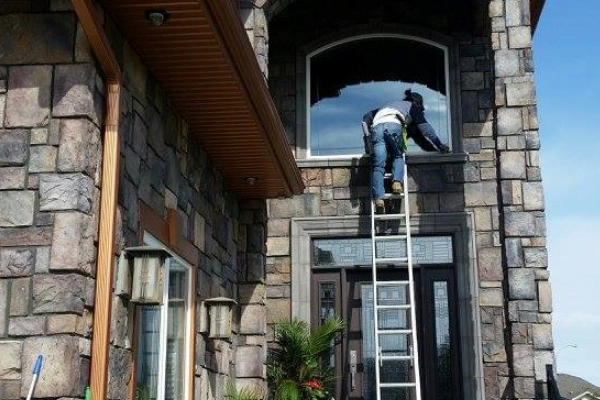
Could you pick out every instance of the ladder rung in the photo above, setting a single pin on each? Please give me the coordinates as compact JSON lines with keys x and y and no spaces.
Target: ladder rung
{"x":382,"y":238}
{"x":396,"y":307}
{"x":393,"y":195}
{"x":396,"y":358}
{"x":391,"y":283}
{"x":388,"y":217}
{"x":398,"y":385}
{"x":391,"y":260}
{"x":394,"y":331}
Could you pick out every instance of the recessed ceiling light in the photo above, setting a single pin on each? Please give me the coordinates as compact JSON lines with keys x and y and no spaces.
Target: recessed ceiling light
{"x":157,"y":17}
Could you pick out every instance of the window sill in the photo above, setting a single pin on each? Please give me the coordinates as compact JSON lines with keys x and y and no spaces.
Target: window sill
{"x":365,"y":160}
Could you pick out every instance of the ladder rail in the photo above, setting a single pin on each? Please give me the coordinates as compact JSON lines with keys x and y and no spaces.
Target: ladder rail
{"x":375,"y":313}
{"x":411,"y":284}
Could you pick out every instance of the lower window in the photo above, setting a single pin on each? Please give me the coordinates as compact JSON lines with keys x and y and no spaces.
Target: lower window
{"x":162,"y":338}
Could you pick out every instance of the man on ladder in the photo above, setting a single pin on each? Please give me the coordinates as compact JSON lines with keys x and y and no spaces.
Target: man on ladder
{"x":386,"y":130}
{"x":397,"y":373}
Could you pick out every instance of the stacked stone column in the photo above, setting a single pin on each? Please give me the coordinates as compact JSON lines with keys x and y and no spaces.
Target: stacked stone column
{"x":521,"y":202}
{"x":255,"y":22}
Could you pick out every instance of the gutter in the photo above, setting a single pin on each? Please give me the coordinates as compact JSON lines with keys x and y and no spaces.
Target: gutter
{"x":89,"y":20}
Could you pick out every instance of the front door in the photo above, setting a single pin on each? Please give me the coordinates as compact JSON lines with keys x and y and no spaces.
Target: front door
{"x":348,"y":292}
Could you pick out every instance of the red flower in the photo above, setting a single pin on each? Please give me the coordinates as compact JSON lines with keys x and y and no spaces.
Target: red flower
{"x":313,"y":384}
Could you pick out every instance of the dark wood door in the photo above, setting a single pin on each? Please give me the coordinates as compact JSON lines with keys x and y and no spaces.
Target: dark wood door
{"x":347,"y":292}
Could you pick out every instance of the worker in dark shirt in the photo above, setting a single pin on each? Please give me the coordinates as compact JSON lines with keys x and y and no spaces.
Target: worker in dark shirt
{"x":386,"y":135}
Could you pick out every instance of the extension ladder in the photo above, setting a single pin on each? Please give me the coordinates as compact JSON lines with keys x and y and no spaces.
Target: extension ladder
{"x":397,"y":373}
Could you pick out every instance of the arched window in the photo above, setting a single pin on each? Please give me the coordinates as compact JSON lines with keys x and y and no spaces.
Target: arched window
{"x":349,"y":78}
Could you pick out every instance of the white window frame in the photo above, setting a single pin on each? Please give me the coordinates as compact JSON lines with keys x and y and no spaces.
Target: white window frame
{"x":150,"y":240}
{"x":364,"y":37}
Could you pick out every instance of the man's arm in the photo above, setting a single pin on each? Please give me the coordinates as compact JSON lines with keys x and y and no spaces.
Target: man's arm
{"x":429,"y":133}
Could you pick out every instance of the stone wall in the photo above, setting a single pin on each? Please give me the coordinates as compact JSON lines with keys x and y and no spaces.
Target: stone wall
{"x":522,"y":230}
{"x":163,"y":168}
{"x":255,"y":22}
{"x":51,"y":110}
{"x":498,"y":181}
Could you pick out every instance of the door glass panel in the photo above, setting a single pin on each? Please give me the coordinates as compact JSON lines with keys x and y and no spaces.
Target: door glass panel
{"x":395,"y":371}
{"x":368,"y":342}
{"x":442,"y":339}
{"x":392,"y":319}
{"x":393,"y":344}
{"x":392,"y":295}
{"x":396,"y":394}
{"x":327,"y":301}
{"x":349,"y":252}
{"x":327,"y":310}
{"x":148,"y":351}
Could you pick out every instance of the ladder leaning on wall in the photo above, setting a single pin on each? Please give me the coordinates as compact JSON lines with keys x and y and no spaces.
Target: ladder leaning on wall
{"x":397,"y":372}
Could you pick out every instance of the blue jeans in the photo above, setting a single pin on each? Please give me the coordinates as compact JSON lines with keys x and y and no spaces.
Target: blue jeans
{"x":384,"y":140}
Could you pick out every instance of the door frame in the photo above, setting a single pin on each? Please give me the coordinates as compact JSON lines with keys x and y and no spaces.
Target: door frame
{"x":459,"y":225}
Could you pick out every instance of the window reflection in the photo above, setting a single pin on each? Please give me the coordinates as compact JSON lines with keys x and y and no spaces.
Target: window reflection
{"x":352,"y":78}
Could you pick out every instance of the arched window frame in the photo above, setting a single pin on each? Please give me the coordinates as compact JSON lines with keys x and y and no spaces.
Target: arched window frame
{"x":303,"y":150}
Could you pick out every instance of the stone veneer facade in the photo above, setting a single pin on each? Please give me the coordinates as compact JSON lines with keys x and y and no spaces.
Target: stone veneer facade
{"x":492,"y":181}
{"x":51,"y":105}
{"x":51,"y":111}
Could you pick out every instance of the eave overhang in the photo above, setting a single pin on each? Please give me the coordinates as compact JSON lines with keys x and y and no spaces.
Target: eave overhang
{"x":204,"y":62}
{"x":535,"y":10}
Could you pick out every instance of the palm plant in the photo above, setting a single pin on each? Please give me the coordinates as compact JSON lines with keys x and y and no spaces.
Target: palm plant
{"x":245,"y":393}
{"x":297,"y":367}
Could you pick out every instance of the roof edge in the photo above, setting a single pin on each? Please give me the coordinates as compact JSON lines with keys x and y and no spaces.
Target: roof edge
{"x":535,"y":10}
{"x":226,"y":20}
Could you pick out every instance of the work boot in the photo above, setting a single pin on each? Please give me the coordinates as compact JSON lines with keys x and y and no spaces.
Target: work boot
{"x":397,"y":187}
{"x":379,"y":206}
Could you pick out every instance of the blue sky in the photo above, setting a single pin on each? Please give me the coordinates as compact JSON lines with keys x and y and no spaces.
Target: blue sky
{"x":567,"y":65}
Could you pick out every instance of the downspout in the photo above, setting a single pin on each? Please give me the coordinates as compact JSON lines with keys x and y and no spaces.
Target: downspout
{"x":88,"y":18}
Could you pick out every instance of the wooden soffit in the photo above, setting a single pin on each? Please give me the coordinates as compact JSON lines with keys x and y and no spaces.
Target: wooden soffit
{"x":204,"y":62}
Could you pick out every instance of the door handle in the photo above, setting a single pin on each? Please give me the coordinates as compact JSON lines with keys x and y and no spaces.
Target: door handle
{"x":353,"y":369}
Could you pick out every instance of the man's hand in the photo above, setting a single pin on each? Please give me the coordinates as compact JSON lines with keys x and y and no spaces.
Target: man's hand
{"x":444,"y":149}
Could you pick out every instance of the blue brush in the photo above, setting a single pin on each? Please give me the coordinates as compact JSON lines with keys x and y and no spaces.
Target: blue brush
{"x":37,"y":368}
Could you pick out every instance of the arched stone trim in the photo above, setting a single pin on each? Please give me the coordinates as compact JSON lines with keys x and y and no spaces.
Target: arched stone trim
{"x":274,"y":7}
{"x":459,"y":225}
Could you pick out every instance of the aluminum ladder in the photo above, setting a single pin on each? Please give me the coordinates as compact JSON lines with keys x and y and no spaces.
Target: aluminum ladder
{"x":396,"y":345}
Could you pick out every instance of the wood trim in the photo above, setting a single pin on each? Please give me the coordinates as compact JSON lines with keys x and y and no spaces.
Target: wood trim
{"x":167,"y":231}
{"x":234,"y":41}
{"x":153,"y":223}
{"x":172,"y":227}
{"x":87,"y":15}
{"x":89,"y":20}
{"x":106,"y":248}
{"x":192,"y":332}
